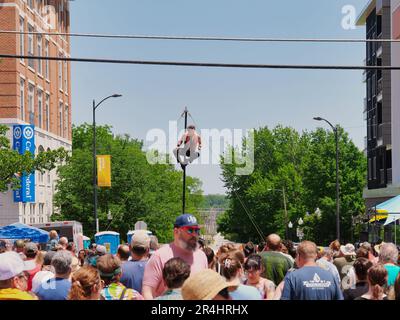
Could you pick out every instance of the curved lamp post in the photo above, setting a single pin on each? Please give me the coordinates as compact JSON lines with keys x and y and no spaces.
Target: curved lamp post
{"x":95,"y":106}
{"x":335,"y":130}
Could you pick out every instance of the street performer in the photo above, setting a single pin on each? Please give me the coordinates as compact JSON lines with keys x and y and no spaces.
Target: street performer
{"x":191,"y":147}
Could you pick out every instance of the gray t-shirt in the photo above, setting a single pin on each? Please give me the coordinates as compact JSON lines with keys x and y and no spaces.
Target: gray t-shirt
{"x":311,"y":283}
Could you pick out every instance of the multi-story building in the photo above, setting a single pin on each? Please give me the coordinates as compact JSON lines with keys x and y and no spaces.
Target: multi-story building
{"x":383,"y":181}
{"x":396,"y":93}
{"x":36,"y":92}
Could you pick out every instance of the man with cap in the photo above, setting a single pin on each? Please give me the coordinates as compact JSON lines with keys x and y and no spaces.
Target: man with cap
{"x":31,"y":251}
{"x":344,"y":264}
{"x":99,"y":251}
{"x":13,"y":279}
{"x":184,"y":246}
{"x":133,"y":270}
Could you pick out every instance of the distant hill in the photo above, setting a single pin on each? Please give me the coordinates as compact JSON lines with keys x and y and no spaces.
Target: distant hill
{"x":215,"y":201}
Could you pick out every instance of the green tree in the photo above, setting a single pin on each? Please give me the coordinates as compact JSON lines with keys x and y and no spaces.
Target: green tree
{"x":12,"y":164}
{"x":140,"y":191}
{"x":303,"y":164}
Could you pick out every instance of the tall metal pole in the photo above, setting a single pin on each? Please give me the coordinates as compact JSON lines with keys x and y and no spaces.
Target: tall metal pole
{"x":286,"y":214}
{"x":337,"y":185}
{"x":184,"y":171}
{"x":95,"y":169}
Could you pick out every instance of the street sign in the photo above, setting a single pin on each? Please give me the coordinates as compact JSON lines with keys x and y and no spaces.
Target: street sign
{"x":140,"y":225}
{"x":300,"y":233}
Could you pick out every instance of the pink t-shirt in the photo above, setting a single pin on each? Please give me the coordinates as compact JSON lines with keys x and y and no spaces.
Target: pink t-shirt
{"x":153,"y":272}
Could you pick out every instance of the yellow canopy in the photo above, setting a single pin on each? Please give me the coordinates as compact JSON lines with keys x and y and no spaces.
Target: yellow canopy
{"x":378,"y":217}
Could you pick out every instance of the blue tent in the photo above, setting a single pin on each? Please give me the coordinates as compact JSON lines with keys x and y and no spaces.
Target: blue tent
{"x":21,"y":231}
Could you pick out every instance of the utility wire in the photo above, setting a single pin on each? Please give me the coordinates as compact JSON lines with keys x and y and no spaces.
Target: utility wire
{"x":250,"y":217}
{"x":199,"y":38}
{"x":203,"y":64}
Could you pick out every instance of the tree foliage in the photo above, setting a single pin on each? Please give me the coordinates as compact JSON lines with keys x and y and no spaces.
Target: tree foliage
{"x":13,"y":164}
{"x":140,"y":191}
{"x":305,"y":165}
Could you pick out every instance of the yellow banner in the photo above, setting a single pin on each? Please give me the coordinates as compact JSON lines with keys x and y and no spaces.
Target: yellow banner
{"x":104,"y":171}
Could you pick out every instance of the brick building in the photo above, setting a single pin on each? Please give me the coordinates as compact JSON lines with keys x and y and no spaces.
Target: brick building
{"x":36,"y":92}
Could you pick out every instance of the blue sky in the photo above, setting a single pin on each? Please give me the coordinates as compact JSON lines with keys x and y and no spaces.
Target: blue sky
{"x":217,"y":98}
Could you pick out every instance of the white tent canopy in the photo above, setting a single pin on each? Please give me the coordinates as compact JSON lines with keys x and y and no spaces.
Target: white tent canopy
{"x":391,"y":208}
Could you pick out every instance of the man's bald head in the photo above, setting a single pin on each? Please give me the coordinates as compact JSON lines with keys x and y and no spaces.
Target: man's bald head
{"x":273,"y":242}
{"x":63,"y":242}
{"x":123,"y":252}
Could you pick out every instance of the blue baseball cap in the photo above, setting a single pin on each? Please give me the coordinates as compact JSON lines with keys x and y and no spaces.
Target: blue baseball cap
{"x":186,"y":220}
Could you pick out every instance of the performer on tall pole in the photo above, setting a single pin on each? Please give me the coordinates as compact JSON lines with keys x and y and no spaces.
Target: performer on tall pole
{"x":190,"y":151}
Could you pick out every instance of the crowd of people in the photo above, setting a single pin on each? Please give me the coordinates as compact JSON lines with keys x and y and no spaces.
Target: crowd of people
{"x":187,"y":269}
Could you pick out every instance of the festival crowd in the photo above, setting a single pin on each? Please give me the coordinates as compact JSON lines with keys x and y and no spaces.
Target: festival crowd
{"x":187,"y":269}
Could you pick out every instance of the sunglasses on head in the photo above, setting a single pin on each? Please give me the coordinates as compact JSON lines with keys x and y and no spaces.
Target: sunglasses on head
{"x":191,"y":230}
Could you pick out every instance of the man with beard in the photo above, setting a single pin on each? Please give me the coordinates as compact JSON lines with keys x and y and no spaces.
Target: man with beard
{"x":184,"y":246}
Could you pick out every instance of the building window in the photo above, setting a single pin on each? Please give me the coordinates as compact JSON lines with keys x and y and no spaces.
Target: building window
{"x":60,"y":73}
{"x":48,"y":179}
{"x":369,"y":168}
{"x":369,"y":128}
{"x":22,"y":98}
{"x":369,"y":89}
{"x":40,"y":108}
{"x":374,"y":83}
{"x":60,"y":117}
{"x":374,"y":127}
{"x":32,"y":213}
{"x":31,"y":104}
{"x":65,"y":76}
{"x":66,"y":126}
{"x":31,"y":62}
{"x":46,"y":66}
{"x":31,"y":4}
{"x":374,"y":168}
{"x":47,"y":108}
{"x":40,"y":53}
{"x":21,"y":37}
{"x":61,"y":16}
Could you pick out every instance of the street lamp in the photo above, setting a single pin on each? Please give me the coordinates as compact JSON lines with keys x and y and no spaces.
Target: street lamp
{"x":335,"y":130}
{"x":284,"y":205}
{"x":95,"y":106}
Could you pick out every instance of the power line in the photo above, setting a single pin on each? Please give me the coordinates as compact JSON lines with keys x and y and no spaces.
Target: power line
{"x":250,"y":217}
{"x":199,"y":38}
{"x":203,"y":64}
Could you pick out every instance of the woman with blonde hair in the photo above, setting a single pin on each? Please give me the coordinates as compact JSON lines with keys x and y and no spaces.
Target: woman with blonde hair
{"x":86,"y":284}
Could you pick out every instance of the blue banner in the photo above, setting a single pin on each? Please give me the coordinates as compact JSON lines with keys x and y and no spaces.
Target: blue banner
{"x":17,"y":143}
{"x":24,"y":141}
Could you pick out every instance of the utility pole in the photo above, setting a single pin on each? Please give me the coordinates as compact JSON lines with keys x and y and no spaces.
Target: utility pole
{"x":286,"y":214}
{"x":184,"y":171}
